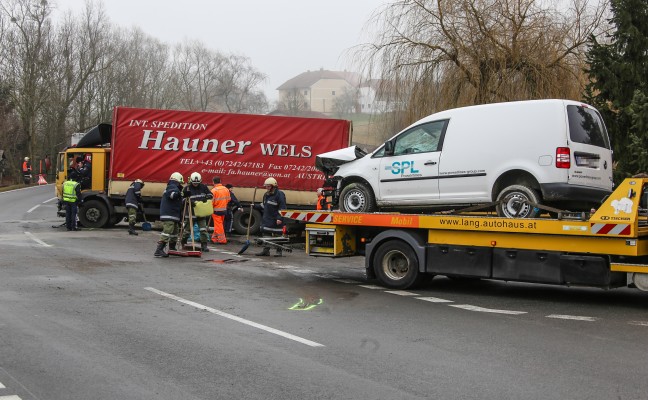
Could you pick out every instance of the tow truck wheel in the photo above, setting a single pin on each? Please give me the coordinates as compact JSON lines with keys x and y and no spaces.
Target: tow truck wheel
{"x":93,"y":214}
{"x":640,"y":281}
{"x":515,"y":201}
{"x":396,"y":265}
{"x":357,"y":197}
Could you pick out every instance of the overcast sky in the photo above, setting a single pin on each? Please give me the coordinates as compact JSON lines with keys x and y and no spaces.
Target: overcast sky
{"x":282,"y":38}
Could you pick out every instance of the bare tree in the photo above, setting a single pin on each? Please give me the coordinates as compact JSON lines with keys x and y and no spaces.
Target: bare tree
{"x":239,"y":81}
{"x":346,"y":102}
{"x":293,"y":102}
{"x":445,"y":53}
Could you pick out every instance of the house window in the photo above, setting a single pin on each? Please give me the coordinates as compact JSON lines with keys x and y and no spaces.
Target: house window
{"x":333,"y":93}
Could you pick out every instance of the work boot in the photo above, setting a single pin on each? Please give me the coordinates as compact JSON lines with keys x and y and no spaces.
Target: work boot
{"x":159,"y":252}
{"x":279,"y":253}
{"x":131,"y":230}
{"x":264,"y":253}
{"x":203,"y":247}
{"x":172,"y":245}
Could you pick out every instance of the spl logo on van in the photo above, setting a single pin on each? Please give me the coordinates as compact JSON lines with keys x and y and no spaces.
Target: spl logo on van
{"x":402,"y":168}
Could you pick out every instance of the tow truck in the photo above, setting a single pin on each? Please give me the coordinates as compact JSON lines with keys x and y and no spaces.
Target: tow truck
{"x":605,"y":248}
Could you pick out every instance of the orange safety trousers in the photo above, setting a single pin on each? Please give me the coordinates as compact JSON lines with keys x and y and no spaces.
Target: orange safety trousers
{"x":219,"y":231}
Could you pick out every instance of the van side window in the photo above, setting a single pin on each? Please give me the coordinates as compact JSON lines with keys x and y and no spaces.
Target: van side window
{"x":586,"y":126}
{"x":423,"y":138}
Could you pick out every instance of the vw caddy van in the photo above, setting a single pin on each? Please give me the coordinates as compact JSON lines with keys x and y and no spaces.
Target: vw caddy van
{"x":546,"y":152}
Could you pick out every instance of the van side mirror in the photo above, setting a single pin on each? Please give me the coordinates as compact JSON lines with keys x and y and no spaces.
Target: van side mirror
{"x":389,"y":148}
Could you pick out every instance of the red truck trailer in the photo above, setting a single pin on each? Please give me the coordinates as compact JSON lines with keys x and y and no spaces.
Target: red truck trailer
{"x":242,"y":149}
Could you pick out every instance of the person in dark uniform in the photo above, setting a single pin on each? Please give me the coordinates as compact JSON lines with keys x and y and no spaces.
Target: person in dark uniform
{"x":233,"y":206}
{"x":134,"y":203}
{"x":84,"y":169}
{"x":170,"y":214}
{"x":72,"y":200}
{"x":274,"y":200}
{"x":197,"y":191}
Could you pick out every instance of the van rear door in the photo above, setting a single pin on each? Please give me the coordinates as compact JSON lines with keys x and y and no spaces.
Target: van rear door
{"x":591,"y":162}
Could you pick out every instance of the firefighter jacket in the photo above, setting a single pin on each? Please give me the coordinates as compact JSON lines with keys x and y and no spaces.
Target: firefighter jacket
{"x":273,"y":201}
{"x":171,"y":204}
{"x":221,"y":199}
{"x":71,"y":191}
{"x":26,"y":167}
{"x":134,"y":195}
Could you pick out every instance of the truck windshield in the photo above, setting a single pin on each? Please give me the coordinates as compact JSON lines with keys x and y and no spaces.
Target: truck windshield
{"x":586,"y":126}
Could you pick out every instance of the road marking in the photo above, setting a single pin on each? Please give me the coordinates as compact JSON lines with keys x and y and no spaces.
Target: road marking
{"x":486,"y":310}
{"x":401,"y":293}
{"x":638,"y":323}
{"x":434,"y":300}
{"x":37,"y":240}
{"x":12,"y":397}
{"x":303,"y":271}
{"x":372,"y":287}
{"x":2,"y":386}
{"x":52,"y":199}
{"x":351,"y":281}
{"x":325,"y":276}
{"x":572,"y":317}
{"x":235,"y":318}
{"x":33,"y":208}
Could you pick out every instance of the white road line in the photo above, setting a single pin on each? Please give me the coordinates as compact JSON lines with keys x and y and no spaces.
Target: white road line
{"x":351,"y":281}
{"x":372,"y":287}
{"x":2,"y":386}
{"x":325,"y":276}
{"x":401,"y":293}
{"x":303,"y":271}
{"x":434,"y":300}
{"x":235,"y":318}
{"x":572,"y":317}
{"x":638,"y":323}
{"x":37,"y":240}
{"x":52,"y":199}
{"x":12,"y":397}
{"x":486,"y":310}
{"x":33,"y":208}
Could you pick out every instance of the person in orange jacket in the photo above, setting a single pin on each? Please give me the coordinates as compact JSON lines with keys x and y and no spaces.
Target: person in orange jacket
{"x":221,"y":199}
{"x":322,"y":204}
{"x":26,"y":171}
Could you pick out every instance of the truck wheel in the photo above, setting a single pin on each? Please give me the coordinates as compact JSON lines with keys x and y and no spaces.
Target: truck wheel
{"x":396,"y":265}
{"x":514,"y":202}
{"x":240,"y":222}
{"x":93,"y":214}
{"x":357,"y":197}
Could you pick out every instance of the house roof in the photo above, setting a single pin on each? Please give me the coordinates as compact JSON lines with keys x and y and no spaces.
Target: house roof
{"x":308,"y":78}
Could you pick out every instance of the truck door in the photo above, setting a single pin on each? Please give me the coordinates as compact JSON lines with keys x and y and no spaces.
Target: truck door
{"x":410,"y":174}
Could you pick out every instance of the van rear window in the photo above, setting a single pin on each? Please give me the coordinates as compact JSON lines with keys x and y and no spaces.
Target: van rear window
{"x":586,"y":126}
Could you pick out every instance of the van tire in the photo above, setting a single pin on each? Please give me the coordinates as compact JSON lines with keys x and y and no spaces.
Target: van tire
{"x":357,"y":197}
{"x":512,"y":197}
{"x":240,"y":222}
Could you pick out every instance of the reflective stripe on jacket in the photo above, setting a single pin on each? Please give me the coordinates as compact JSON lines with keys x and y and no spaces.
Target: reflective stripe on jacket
{"x":221,"y":198}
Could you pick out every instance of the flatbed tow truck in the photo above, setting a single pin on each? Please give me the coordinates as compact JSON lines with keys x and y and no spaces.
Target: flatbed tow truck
{"x":607,"y":248}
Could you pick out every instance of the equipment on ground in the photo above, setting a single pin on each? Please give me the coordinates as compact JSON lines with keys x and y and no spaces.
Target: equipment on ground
{"x":184,"y":251}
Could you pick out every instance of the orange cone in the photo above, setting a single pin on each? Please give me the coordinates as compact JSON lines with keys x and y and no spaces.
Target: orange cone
{"x":41,"y":180}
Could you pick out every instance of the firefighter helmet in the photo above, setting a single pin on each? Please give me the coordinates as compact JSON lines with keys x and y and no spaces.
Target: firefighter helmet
{"x":26,"y":158}
{"x":138,"y":181}
{"x":270,"y":181}
{"x":195,"y":178}
{"x":177,"y":176}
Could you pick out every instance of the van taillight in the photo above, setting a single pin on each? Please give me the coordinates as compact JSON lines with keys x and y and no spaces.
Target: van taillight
{"x":563,"y":158}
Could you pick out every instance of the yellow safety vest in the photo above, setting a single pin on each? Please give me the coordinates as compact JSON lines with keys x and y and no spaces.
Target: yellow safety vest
{"x":69,"y":191}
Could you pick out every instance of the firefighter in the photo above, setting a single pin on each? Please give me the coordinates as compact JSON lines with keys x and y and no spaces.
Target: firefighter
{"x":133,"y":203}
{"x":26,"y":171}
{"x":274,"y":200}
{"x":196,"y":192}
{"x":170,"y":214}
{"x":220,"y":201}
{"x":72,"y":200}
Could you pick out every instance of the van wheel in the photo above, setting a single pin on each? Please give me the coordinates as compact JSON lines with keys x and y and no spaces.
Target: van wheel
{"x":514,"y":202}
{"x":396,"y":265}
{"x":357,"y":197}
{"x":241,"y":219}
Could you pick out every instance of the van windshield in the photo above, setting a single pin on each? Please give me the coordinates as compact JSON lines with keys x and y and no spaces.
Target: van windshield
{"x":586,"y":126}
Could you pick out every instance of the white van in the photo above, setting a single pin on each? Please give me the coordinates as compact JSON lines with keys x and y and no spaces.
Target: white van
{"x":550,"y":152}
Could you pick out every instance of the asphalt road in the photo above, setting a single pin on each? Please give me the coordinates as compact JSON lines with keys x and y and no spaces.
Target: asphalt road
{"x":93,"y":315}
